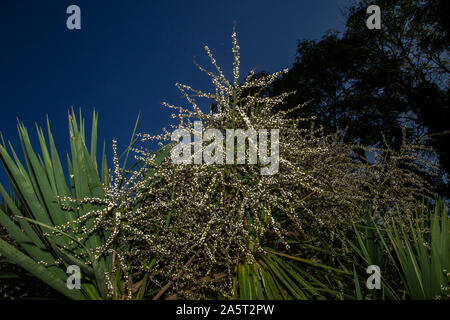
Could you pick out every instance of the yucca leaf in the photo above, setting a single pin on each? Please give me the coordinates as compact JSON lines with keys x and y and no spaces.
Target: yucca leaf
{"x":271,"y":290}
{"x":287,"y":281}
{"x":357,"y":287}
{"x":315,"y":264}
{"x":38,"y":271}
{"x":98,"y":271}
{"x":70,"y":260}
{"x":143,"y":288}
{"x":94,"y":139}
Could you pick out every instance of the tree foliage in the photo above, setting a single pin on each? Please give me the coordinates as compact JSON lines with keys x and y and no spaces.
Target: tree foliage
{"x":374,"y":81}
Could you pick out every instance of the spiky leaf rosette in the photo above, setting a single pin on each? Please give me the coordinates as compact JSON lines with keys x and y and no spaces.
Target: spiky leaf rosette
{"x":192,"y":224}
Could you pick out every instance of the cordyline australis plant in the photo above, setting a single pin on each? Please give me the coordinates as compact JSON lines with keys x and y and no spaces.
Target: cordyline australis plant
{"x":34,"y":209}
{"x":221,"y":230}
{"x":200,"y":231}
{"x":42,"y":216}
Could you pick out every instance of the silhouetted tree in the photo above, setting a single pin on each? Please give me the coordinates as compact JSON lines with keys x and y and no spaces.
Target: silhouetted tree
{"x":372,"y":81}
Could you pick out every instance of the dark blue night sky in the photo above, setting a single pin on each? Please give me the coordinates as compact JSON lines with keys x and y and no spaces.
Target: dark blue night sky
{"x":129,"y":54}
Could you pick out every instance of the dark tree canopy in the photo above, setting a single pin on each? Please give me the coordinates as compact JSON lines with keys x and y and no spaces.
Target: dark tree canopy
{"x":374,"y":81}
